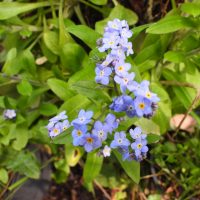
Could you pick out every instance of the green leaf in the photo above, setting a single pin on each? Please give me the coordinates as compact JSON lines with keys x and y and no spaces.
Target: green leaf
{"x":21,"y":141}
{"x":152,"y":138}
{"x":51,"y":40}
{"x":24,"y":88}
{"x":74,"y":104}
{"x":170,"y":24}
{"x":72,"y":154}
{"x":174,"y":56}
{"x":17,"y":62}
{"x":119,"y":12}
{"x":148,"y":126}
{"x":91,"y":90}
{"x":26,"y":164}
{"x":11,"y":9}
{"x":48,"y":109}
{"x":163,"y":113}
{"x":3,"y":175}
{"x":132,"y":168}
{"x":63,"y":138}
{"x":191,"y":8}
{"x":72,"y":56}
{"x":60,"y":88}
{"x":99,"y":2}
{"x":86,"y":34}
{"x":92,"y":167}
{"x":11,"y":55}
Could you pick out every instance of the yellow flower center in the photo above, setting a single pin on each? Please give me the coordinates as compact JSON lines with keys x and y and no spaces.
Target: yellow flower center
{"x":55,"y":130}
{"x":148,"y":95}
{"x":139,"y":146}
{"x":102,"y":73}
{"x":141,"y":106}
{"x":90,"y":140}
{"x":120,"y":68}
{"x":79,"y":132}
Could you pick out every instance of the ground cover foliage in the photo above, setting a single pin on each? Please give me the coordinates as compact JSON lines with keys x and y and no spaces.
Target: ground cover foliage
{"x":48,"y":55}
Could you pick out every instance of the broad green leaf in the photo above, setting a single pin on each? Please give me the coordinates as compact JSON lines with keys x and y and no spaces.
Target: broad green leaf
{"x":48,"y":109}
{"x":148,"y":126}
{"x":191,"y":8}
{"x":92,"y":167}
{"x":91,"y":90}
{"x":132,"y":168}
{"x":11,"y":55}
{"x":17,"y":62}
{"x":24,"y":88}
{"x":72,"y":56}
{"x":86,"y":34}
{"x":138,"y":29}
{"x":184,"y":94}
{"x":74,"y":105}
{"x":152,"y":138}
{"x":170,"y":24}
{"x":51,"y":41}
{"x":60,"y":88}
{"x":3,"y":175}
{"x":11,"y":9}
{"x":25,"y":163}
{"x":21,"y":141}
{"x":64,"y":138}
{"x":72,"y":154}
{"x":87,"y":73}
{"x":119,"y":12}
{"x":99,"y":2}
{"x":174,"y":56}
{"x":163,"y":113}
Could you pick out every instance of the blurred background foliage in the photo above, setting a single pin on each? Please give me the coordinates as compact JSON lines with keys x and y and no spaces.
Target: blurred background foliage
{"x":47,"y":60}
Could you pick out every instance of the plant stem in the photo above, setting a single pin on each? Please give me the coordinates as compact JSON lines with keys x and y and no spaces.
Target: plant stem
{"x":173,"y":2}
{"x":79,"y":14}
{"x":92,"y":6}
{"x":115,"y":2}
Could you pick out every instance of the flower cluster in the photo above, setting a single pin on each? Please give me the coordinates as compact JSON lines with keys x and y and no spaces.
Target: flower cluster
{"x":115,"y":43}
{"x":131,"y":151}
{"x":9,"y":114}
{"x":140,"y":102}
{"x":58,"y":124}
{"x":93,"y":138}
{"x":136,"y":100}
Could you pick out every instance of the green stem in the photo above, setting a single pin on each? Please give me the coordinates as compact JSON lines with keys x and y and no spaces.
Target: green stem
{"x":92,"y":6}
{"x":173,"y":2}
{"x":79,"y":14}
{"x":53,"y":10}
{"x":115,"y":2}
{"x":34,"y":42}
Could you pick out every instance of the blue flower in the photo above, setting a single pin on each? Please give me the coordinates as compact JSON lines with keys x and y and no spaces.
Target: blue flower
{"x":121,"y":68}
{"x":56,"y":130}
{"x":65,"y":125}
{"x":120,"y":140}
{"x":77,"y":134}
{"x":100,"y":130}
{"x":137,"y":133}
{"x":124,"y":80}
{"x":90,"y":142}
{"x":102,"y":74}
{"x":83,"y":118}
{"x":9,"y":114}
{"x":129,"y":106}
{"x":142,"y":106}
{"x":109,"y":41}
{"x":60,"y":116}
{"x":118,"y":104}
{"x":111,"y":122}
{"x":106,"y":151}
{"x":140,"y":148}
